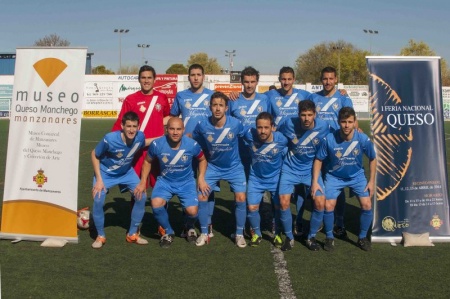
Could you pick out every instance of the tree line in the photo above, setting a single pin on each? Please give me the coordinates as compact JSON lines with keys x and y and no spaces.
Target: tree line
{"x":349,"y":60}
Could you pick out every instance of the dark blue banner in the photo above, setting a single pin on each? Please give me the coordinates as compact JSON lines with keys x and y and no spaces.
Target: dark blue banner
{"x":408,"y":133}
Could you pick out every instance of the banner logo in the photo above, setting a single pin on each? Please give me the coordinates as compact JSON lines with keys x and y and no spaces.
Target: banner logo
{"x":49,"y":69}
{"x":389,"y":145}
{"x":40,"y":178}
{"x":389,"y":224}
{"x":436,"y":222}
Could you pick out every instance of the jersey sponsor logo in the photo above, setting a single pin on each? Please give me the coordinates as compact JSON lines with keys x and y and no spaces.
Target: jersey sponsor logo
{"x":188,"y":105}
{"x":127,"y":158}
{"x":165,"y":159}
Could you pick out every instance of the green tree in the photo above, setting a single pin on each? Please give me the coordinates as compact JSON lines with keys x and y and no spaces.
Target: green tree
{"x":101,"y":70}
{"x":52,"y":40}
{"x":210,"y":65}
{"x":177,"y":68}
{"x":347,"y":59}
{"x":422,"y":49}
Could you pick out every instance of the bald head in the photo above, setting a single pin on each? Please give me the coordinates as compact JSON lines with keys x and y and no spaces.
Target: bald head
{"x":175,"y":130}
{"x":175,"y":121}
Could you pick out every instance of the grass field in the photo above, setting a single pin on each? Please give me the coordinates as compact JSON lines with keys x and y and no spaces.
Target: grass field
{"x":220,"y":270}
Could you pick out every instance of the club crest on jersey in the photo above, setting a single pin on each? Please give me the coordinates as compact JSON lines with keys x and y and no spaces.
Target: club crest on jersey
{"x":243,"y":112}
{"x":259,"y":109}
{"x":335,"y":106}
{"x":356,"y":152}
{"x":318,"y":108}
{"x":315,"y":141}
{"x":210,"y":138}
{"x":279,"y":103}
{"x":206,"y":102}
{"x":295,"y":140}
{"x":230,"y":135}
{"x":274,"y":150}
{"x":165,"y":159}
{"x":296,"y":101}
{"x":188,"y":105}
{"x":184,"y":158}
{"x":338,"y":154}
{"x":142,"y":108}
{"x":119,"y":155}
{"x":254,"y":149}
{"x":158,"y":107}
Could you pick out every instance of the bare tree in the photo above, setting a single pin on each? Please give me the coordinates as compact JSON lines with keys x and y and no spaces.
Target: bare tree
{"x":52,"y":40}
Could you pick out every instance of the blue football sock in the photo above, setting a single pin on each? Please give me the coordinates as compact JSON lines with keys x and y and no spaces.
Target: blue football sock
{"x":300,"y":210}
{"x":328,"y":220}
{"x":316,"y":220}
{"x":137,"y":213}
{"x":365,"y":219}
{"x":286,"y":220}
{"x":98,"y":214}
{"x":211,"y":204}
{"x":162,"y":217}
{"x":203,"y":216}
{"x":339,"y":210}
{"x":240,"y":214}
{"x":255,"y":221}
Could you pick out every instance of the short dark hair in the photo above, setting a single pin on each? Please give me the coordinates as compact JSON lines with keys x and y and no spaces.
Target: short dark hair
{"x":306,"y":105}
{"x":346,"y":112}
{"x":219,"y":95}
{"x":249,"y":71}
{"x":328,"y":69}
{"x":265,"y":115}
{"x":147,"y":68}
{"x":286,"y":69}
{"x":195,"y":66}
{"x":130,"y":115}
{"x":272,"y":87}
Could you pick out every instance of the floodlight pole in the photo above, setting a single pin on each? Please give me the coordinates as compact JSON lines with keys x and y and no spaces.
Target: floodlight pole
{"x":143,"y":46}
{"x":339,"y":48}
{"x":230,"y":54}
{"x":120,"y":32}
{"x":371,"y":32}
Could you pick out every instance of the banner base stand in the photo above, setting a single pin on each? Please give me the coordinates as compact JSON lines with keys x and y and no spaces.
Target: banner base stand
{"x":18,"y":237}
{"x":435,"y":239}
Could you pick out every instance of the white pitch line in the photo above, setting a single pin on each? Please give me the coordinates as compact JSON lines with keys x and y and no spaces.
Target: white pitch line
{"x":284,"y":281}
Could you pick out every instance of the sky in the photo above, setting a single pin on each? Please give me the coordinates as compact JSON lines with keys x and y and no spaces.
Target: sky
{"x":265,"y":34}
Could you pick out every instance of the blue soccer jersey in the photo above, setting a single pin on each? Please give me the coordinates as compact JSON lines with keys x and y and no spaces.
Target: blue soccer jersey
{"x":175,"y":164}
{"x":193,"y":107}
{"x":285,"y":106}
{"x":328,"y":107}
{"x":115,"y":155}
{"x":344,"y":159}
{"x":267,"y":157}
{"x":247,"y":110}
{"x":220,"y":144}
{"x":303,"y":144}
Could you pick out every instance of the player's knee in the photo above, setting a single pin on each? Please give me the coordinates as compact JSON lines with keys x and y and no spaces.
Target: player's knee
{"x":253,"y":208}
{"x":330,"y":205}
{"x":158,"y":202}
